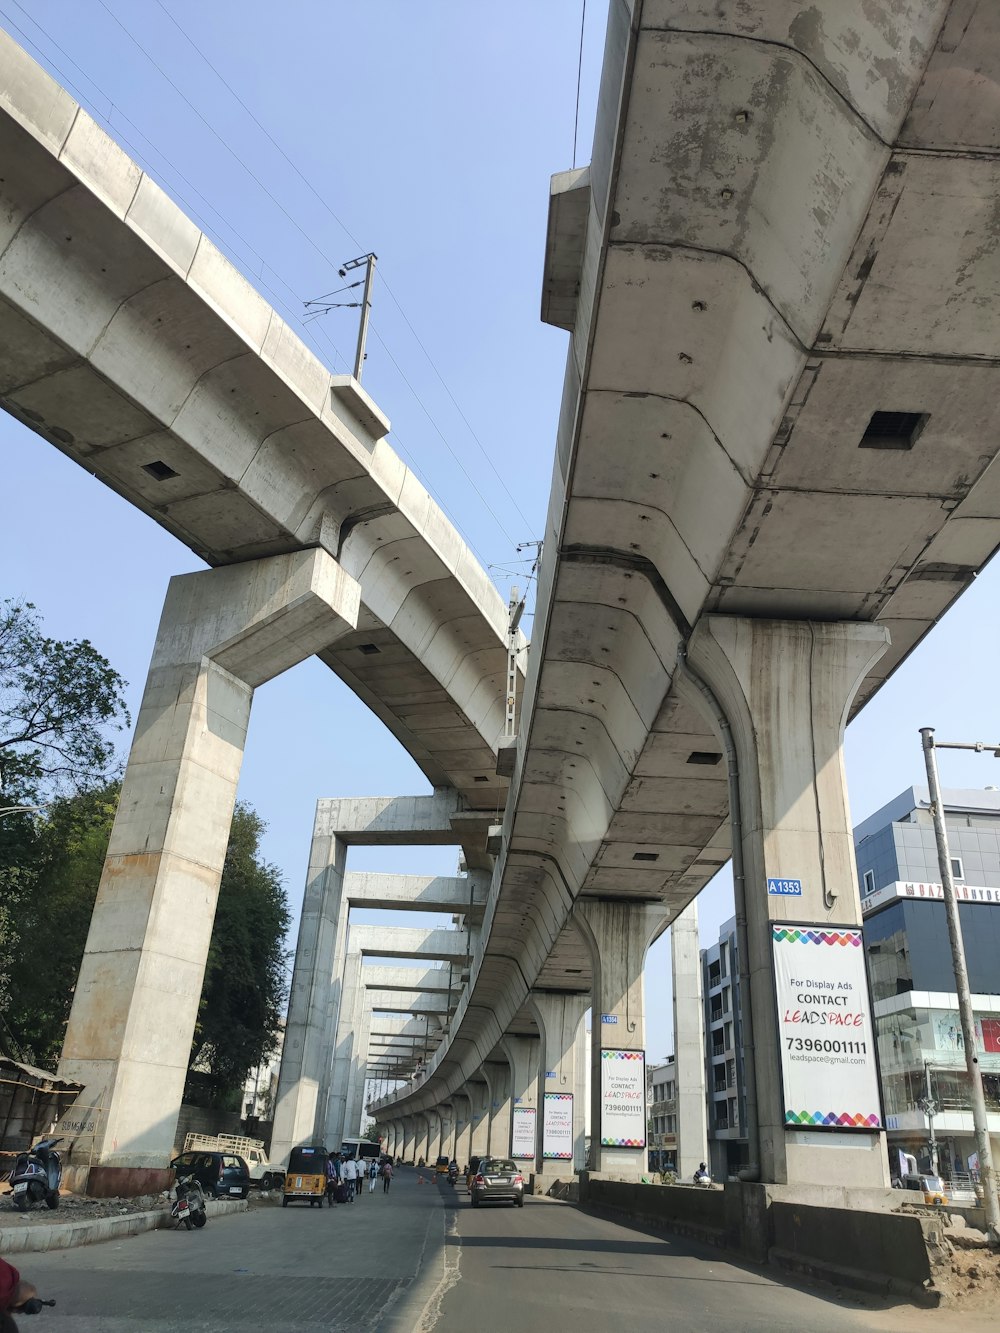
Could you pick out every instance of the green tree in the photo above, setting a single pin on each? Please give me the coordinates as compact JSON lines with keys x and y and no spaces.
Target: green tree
{"x":245,"y":988}
{"x":48,"y":919}
{"x":59,"y":702}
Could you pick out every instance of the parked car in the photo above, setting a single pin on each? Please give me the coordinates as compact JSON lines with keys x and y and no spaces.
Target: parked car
{"x":268,"y":1175}
{"x":222,"y":1175}
{"x":498,"y":1178}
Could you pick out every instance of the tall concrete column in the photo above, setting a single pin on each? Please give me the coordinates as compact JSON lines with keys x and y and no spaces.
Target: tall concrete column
{"x":435,"y":1121}
{"x":334,"y":1125}
{"x":619,"y":934}
{"x":689,"y":1043}
{"x":223,"y":633}
{"x":480,"y":1095}
{"x":462,"y":1102}
{"x":421,"y":1136}
{"x":559,"y":1015}
{"x":786,"y":688}
{"x":311,"y":1048}
{"x":523,"y":1053}
{"x":447,"y":1146}
{"x":406,"y":1147}
{"x":499,"y":1083}
{"x":354,"y":1110}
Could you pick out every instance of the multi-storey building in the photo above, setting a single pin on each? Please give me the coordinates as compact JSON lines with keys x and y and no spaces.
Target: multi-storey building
{"x":921,"y":1050}
{"x":727,"y":1141}
{"x":661,"y":1115}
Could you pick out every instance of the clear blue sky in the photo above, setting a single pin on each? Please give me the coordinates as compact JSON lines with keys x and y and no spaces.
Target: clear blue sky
{"x":427,"y":133}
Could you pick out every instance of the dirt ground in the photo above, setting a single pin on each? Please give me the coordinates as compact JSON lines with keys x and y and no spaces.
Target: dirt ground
{"x":969,"y":1277}
{"x":74,"y":1208}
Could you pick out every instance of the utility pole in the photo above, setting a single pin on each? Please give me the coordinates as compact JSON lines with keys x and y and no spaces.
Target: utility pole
{"x":322,"y":305}
{"x":366,"y":305}
{"x":987,"y":1175}
{"x":515,"y":608}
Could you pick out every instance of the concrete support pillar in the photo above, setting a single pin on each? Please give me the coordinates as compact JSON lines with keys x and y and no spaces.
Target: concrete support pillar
{"x":480,"y":1095}
{"x":462,"y":1101}
{"x":312,"y":1046}
{"x":559,"y":1015}
{"x":498,"y":1080}
{"x":405,"y":1150}
{"x":689,"y":1043}
{"x":354,"y":1111}
{"x":619,"y":933}
{"x":434,"y":1126}
{"x":421,"y":1136}
{"x":335,"y":1120}
{"x":223,"y":633}
{"x":786,"y":688}
{"x":523,"y":1053}
{"x":447,"y":1130}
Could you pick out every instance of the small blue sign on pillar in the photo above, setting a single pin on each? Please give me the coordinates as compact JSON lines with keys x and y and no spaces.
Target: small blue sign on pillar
{"x":609,"y":1018}
{"x":785,"y":888}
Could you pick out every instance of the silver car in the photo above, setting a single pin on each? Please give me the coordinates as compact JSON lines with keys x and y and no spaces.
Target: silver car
{"x":498,"y":1178}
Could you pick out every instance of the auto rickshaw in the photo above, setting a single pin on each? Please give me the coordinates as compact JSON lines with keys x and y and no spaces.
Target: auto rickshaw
{"x":306,"y":1176}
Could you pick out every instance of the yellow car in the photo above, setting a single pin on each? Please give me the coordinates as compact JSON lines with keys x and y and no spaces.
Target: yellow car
{"x":442,"y":1164}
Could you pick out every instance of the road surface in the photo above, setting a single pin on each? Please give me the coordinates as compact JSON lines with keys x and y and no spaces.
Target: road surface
{"x":420,"y":1260}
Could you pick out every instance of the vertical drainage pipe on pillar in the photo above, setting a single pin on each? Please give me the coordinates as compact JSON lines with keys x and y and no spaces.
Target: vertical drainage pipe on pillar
{"x":751,"y":1171}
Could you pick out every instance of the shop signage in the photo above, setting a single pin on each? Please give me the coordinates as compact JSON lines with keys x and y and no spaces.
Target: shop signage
{"x":828,"y":1064}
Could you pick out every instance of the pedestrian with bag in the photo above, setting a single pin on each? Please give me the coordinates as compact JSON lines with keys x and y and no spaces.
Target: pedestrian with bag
{"x":372,"y":1175}
{"x":386,"y":1177}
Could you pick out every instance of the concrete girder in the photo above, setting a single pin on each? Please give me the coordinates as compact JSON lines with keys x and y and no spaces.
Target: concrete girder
{"x":693,"y":323}
{"x":462,"y":895}
{"x":140,"y":344}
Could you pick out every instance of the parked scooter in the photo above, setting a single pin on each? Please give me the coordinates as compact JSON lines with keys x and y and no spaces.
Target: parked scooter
{"x":36,"y":1176}
{"x":189,"y":1205}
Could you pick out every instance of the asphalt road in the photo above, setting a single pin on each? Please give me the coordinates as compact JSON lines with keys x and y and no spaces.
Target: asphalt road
{"x":420,"y":1260}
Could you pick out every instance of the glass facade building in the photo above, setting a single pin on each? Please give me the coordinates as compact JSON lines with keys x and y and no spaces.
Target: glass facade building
{"x":920,"y":1043}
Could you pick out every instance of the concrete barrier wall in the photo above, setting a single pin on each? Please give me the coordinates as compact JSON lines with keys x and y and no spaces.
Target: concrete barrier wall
{"x":873,"y":1251}
{"x":879,"y":1251}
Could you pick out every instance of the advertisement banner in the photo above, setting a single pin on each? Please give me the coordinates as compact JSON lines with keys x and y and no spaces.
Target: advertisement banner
{"x":522,"y":1133}
{"x":828,"y":1064}
{"x":557,"y":1126}
{"x":623,"y":1099}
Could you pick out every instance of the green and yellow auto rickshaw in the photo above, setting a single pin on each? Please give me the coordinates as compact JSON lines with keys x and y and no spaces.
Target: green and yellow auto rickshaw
{"x":305,"y":1178}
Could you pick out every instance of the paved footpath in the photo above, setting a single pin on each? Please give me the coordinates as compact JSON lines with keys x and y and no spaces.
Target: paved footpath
{"x":420,"y":1260}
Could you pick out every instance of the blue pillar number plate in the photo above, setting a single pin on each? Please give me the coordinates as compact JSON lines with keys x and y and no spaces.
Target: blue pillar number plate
{"x":785,"y":888}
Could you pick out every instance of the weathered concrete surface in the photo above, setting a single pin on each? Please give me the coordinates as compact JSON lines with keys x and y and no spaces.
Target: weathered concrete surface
{"x":788,"y":233}
{"x":689,"y":1043}
{"x":137,"y":349}
{"x":222,"y":633}
{"x":561,"y":1069}
{"x":878,"y":1252}
{"x":787,"y":690}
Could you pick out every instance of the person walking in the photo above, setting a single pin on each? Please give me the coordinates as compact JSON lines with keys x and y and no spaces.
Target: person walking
{"x":348,"y":1177}
{"x":331,"y":1179}
{"x":372,"y":1175}
{"x":386,"y":1177}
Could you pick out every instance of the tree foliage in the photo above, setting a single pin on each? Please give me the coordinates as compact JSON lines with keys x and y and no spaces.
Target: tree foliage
{"x":45,"y":916}
{"x":59,"y":702}
{"x":245,"y":988}
{"x":47,"y":912}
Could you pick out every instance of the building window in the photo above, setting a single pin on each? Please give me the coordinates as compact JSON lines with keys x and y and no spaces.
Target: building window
{"x":957,"y":869}
{"x":869,"y":881}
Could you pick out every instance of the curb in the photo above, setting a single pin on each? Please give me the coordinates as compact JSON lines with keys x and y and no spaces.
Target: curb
{"x":67,"y":1235}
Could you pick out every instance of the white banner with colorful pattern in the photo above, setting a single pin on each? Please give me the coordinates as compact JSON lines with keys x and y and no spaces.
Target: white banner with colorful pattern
{"x":623,"y":1099}
{"x":557,"y":1127}
{"x":825,"y":1026}
{"x":522,"y":1134}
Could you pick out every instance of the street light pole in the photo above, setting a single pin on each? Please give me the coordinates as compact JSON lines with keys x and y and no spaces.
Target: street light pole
{"x":987,"y":1175}
{"x":929,"y":1106}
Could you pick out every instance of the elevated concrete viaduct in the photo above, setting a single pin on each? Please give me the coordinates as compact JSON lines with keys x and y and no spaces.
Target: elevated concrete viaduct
{"x":135,"y":347}
{"x":773,"y":475}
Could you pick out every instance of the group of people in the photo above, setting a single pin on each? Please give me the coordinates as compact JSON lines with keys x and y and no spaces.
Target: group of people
{"x":346,"y":1176}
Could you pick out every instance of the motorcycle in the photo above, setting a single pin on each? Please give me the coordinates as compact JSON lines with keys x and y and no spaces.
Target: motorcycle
{"x":189,"y":1205}
{"x":33,"y":1305}
{"x":452,"y":1174}
{"x":36,"y":1176}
